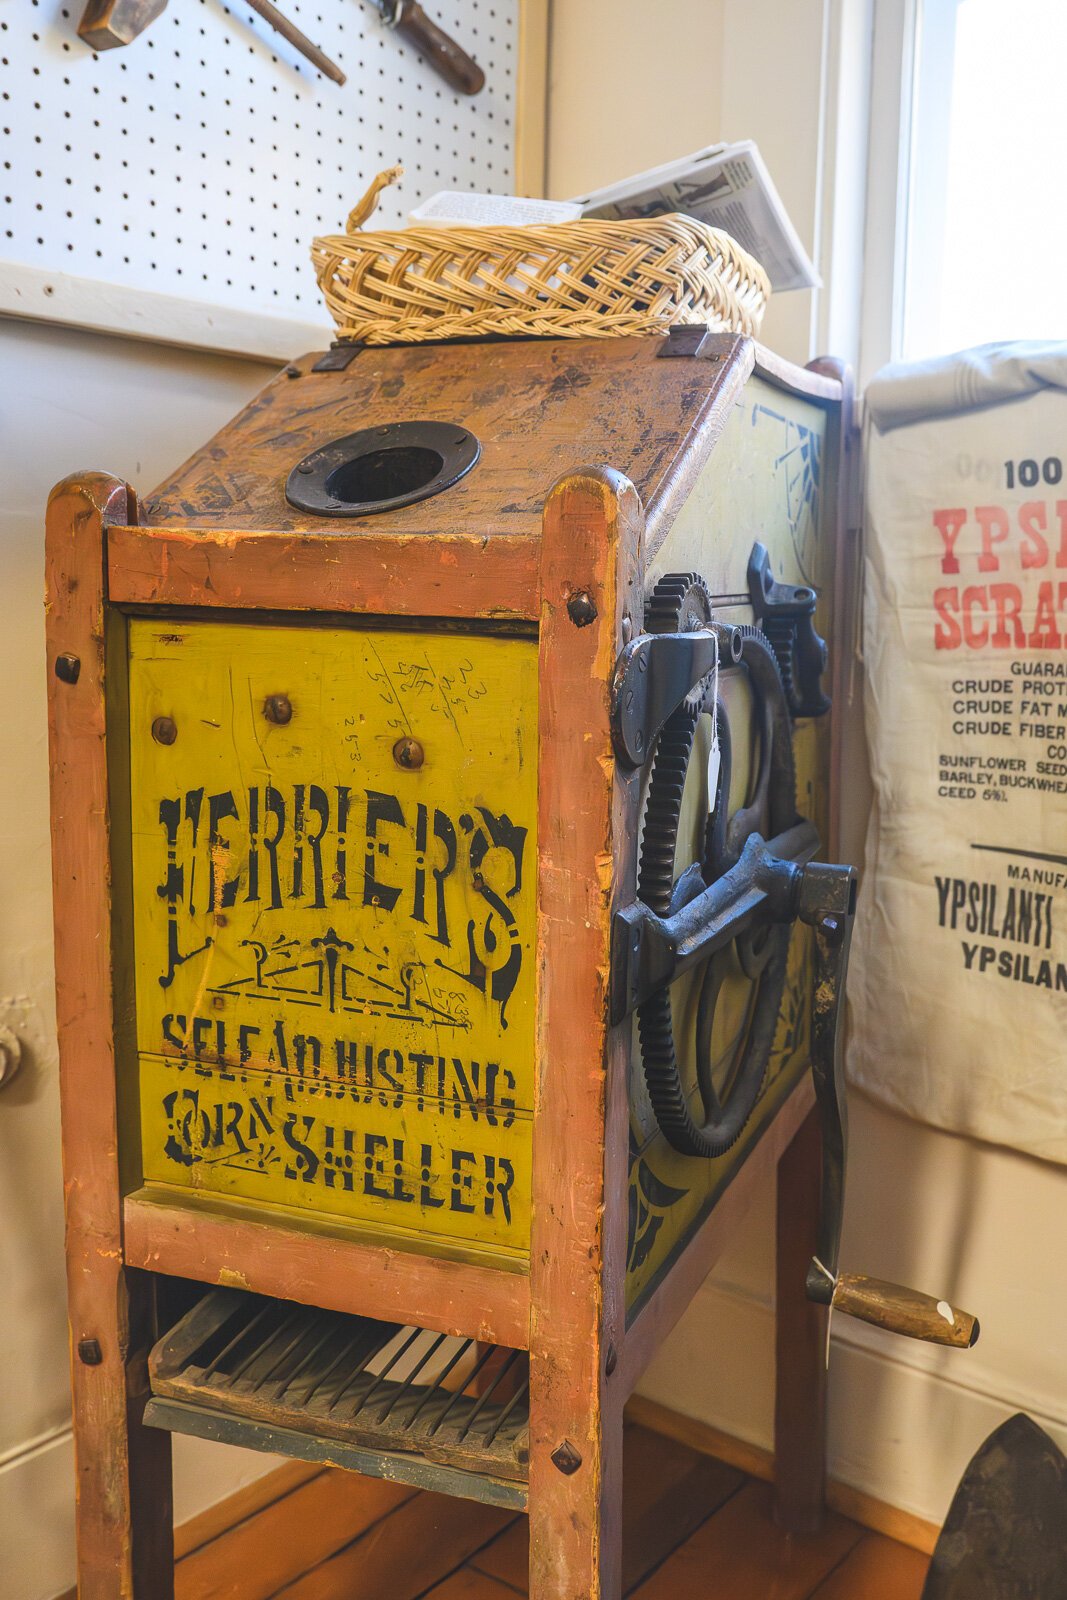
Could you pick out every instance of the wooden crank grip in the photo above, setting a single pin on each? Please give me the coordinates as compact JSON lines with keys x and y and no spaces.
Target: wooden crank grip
{"x":900,"y":1310}
{"x":443,"y":53}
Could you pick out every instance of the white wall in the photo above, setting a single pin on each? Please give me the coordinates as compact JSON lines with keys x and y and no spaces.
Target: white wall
{"x":633,"y":86}
{"x":67,"y":401}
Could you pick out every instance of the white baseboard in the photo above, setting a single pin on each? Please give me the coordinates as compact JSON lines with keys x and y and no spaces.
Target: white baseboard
{"x":37,"y":1519}
{"x":37,"y":1559}
{"x":904,"y":1420}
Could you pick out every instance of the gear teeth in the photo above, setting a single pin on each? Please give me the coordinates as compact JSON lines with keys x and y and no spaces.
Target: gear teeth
{"x":781,"y":631}
{"x":666,"y":784}
{"x":669,"y":600}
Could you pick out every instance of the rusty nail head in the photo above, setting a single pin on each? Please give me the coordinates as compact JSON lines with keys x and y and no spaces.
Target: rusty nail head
{"x":581,"y":609}
{"x":89,"y":1352}
{"x":408,"y":752}
{"x":278,"y":708}
{"x":68,"y":667}
{"x":566,"y":1458}
{"x":164,"y":730}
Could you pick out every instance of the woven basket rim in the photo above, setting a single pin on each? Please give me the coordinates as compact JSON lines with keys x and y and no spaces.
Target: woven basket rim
{"x":488,"y":236}
{"x":594,"y":275}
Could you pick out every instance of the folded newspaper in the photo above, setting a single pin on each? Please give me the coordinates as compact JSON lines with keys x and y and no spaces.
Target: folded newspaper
{"x":728,"y":187}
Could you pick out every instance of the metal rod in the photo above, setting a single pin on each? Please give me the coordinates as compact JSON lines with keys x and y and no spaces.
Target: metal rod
{"x":306,"y":1361}
{"x":478,"y":1365}
{"x":284,"y":1325}
{"x":413,"y":1374}
{"x":520,"y":1394}
{"x":397,"y":1355}
{"x":301,"y":1334}
{"x":346,"y":1350}
{"x":376,"y":1348}
{"x":438,"y":1387}
{"x":259,"y":1349}
{"x":241,"y":1333}
{"x":488,"y":1393}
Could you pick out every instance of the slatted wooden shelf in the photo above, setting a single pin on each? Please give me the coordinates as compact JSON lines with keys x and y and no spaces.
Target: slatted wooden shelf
{"x":385,"y":1399}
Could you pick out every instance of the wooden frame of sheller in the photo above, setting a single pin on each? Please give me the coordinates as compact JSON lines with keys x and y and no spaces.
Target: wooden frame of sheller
{"x":340,"y":834}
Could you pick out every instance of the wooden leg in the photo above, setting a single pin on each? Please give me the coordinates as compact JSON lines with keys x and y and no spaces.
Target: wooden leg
{"x":576,"y":1516}
{"x":124,"y":1508}
{"x":800,"y":1342}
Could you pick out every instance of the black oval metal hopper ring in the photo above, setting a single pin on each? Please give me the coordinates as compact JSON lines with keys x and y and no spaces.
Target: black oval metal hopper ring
{"x":381,"y":469}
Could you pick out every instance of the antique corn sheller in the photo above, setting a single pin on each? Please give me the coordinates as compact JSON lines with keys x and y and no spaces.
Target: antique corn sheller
{"x":443,"y":932}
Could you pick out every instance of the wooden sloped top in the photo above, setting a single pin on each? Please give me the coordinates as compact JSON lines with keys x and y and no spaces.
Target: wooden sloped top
{"x":538,"y":407}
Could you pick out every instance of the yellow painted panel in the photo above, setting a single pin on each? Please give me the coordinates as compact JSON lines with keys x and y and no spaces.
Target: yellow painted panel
{"x":335,"y":951}
{"x":396,"y":1161}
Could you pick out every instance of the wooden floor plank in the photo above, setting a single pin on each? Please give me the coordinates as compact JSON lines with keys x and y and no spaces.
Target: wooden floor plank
{"x":877,"y":1569}
{"x":740,"y":1553}
{"x":255,"y":1496}
{"x":668,"y":1490}
{"x":280,"y":1543}
{"x":425,"y":1540}
{"x":470,"y":1584}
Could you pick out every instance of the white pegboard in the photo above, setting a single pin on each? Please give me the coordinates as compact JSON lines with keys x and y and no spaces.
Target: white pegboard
{"x":199,"y":161}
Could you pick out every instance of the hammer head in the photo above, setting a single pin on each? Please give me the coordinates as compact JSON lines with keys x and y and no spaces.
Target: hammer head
{"x":107,"y":23}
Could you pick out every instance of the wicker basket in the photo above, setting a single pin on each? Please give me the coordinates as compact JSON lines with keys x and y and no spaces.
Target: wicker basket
{"x":574,"y":280}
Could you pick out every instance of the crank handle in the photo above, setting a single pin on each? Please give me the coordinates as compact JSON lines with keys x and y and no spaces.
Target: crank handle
{"x":893,"y":1307}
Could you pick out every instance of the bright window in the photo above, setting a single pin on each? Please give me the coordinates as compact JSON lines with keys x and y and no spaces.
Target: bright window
{"x":986,"y":229}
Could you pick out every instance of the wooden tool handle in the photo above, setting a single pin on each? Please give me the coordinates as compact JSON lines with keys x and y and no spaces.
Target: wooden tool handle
{"x":454,"y":64}
{"x":900,"y":1310}
{"x":298,"y":40}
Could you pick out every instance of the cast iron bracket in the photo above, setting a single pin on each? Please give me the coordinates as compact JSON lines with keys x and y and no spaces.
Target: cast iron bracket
{"x":786,"y":613}
{"x":653,"y":675}
{"x":766,"y":885}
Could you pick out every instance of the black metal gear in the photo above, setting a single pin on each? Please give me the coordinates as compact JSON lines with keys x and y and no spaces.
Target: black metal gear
{"x":677,"y":597}
{"x":781,"y":631}
{"x":679,"y":603}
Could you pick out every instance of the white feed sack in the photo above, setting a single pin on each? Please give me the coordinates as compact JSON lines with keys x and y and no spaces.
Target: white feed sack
{"x":958,"y":985}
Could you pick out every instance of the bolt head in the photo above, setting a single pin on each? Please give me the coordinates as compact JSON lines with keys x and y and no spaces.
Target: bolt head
{"x":89,"y":1352}
{"x":581,"y":608}
{"x":292,"y":372}
{"x":68,"y":667}
{"x":409,"y":754}
{"x":566,"y":1458}
{"x":278,"y":708}
{"x":164,"y":730}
